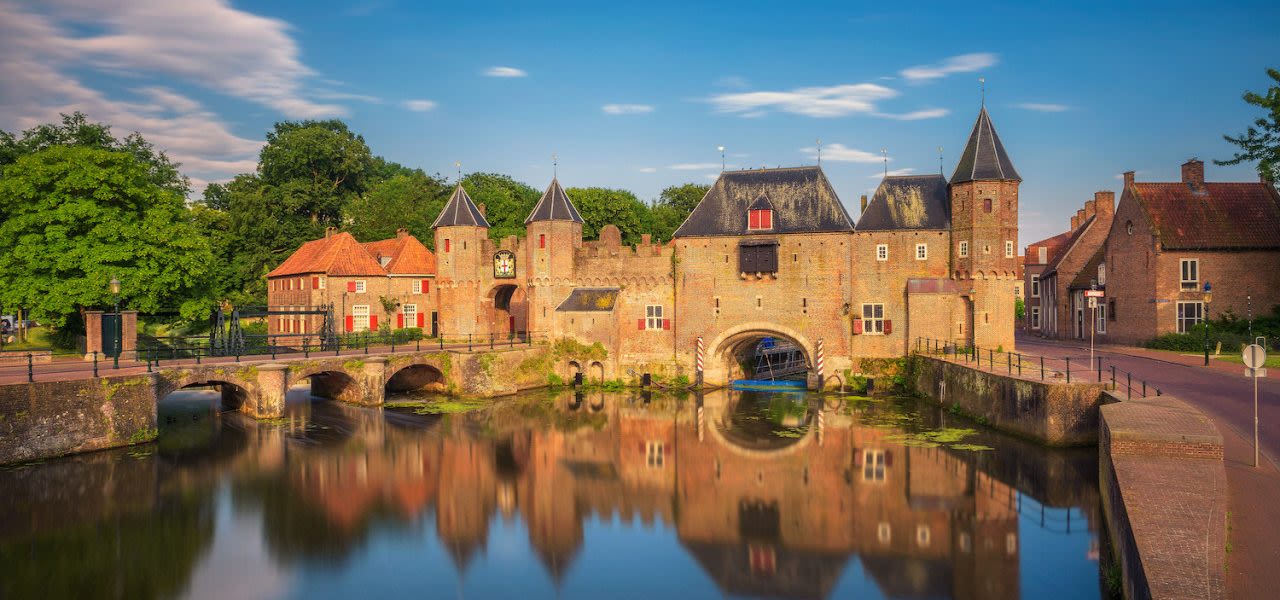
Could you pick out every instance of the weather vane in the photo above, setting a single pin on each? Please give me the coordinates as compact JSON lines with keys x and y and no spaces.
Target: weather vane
{"x":819,"y":152}
{"x":458,"y":165}
{"x":555,"y":166}
{"x":939,"y":160}
{"x":721,"y":149}
{"x":884,"y":154}
{"x":982,"y":82}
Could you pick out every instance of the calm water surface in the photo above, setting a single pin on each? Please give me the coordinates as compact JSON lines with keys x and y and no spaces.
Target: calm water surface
{"x":546,"y":495}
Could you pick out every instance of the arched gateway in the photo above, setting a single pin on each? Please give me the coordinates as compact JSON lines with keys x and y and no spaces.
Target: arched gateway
{"x":732,"y":353}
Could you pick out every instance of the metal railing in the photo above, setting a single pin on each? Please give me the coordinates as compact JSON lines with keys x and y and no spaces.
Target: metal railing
{"x":1034,"y":366}
{"x":31,"y":366}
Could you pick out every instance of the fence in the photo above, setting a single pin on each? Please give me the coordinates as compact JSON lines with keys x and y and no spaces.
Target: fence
{"x":1039,"y":367}
{"x":196,"y":350}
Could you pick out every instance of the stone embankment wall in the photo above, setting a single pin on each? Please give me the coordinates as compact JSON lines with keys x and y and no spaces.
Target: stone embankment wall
{"x":1057,"y":414}
{"x":47,"y":419}
{"x":1164,"y":491}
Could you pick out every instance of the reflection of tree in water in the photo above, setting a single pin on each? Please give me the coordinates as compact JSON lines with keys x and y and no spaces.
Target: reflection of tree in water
{"x":143,"y":555}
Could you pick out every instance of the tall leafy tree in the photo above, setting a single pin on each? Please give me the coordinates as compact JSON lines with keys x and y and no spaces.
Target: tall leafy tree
{"x":673,"y":207}
{"x":78,"y":216}
{"x":604,"y":206}
{"x":507,"y":202}
{"x":411,"y":200}
{"x":1261,"y":141}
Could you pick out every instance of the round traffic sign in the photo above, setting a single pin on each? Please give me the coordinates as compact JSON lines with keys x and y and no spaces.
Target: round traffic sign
{"x":1254,"y":356}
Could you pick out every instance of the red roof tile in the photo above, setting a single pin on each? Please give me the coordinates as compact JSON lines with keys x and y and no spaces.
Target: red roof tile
{"x":338,"y":254}
{"x":408,"y":255}
{"x":1072,"y":238}
{"x":1217,"y":215}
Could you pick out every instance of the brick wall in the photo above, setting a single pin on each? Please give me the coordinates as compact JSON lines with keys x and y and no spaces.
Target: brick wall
{"x":47,"y":419}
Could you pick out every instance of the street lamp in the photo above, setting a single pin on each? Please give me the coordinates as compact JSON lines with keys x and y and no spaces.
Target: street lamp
{"x":115,"y":293}
{"x":1208,"y":297}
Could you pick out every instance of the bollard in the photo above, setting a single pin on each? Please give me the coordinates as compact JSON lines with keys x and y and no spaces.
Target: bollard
{"x":1099,"y":369}
{"x":1041,"y":368}
{"x":306,"y":352}
{"x":417,"y":346}
{"x":95,"y":363}
{"x":1009,"y":359}
{"x":1144,"y":389}
{"x":366,"y":341}
{"x":646,"y":380}
{"x":31,"y":375}
{"x":1128,"y":384}
{"x":1113,"y":378}
{"x":1068,"y":369}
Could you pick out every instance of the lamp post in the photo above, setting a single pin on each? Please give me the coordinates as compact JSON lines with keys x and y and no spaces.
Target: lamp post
{"x":1208,"y":297}
{"x":115,"y":293}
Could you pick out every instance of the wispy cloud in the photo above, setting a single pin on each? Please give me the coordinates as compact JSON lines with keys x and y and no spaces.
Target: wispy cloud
{"x":893,"y":173}
{"x":733,"y":82}
{"x":648,"y":169}
{"x":928,"y":113}
{"x":841,"y":153}
{"x":963,"y":63}
{"x":626,"y":109}
{"x":830,"y":101}
{"x":505,"y":72}
{"x":1042,"y":107}
{"x":694,"y":166}
{"x":419,"y":105}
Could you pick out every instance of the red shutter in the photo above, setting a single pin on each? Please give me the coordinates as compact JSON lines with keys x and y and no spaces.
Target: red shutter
{"x":421,"y":319}
{"x":857,"y":327}
{"x":426,"y":286}
{"x":351,"y":323}
{"x":888,"y":326}
{"x":542,"y":240}
{"x":351,"y":286}
{"x":753,"y":219}
{"x":766,"y":219}
{"x":315,"y":283}
{"x":640,"y":324}
{"x":446,"y":245}
{"x":373,"y":322}
{"x":888,"y":458}
{"x":399,"y":320}
{"x":666,"y":323}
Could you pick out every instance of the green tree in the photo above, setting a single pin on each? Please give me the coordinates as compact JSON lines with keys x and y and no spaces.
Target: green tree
{"x":78,"y":216}
{"x":1261,"y":142}
{"x":334,"y":162}
{"x":604,"y":206}
{"x":507,"y":202}
{"x":673,"y":207}
{"x":410,"y":200}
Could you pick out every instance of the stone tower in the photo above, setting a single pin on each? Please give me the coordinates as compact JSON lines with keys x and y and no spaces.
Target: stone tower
{"x":553,"y":235}
{"x":461,"y":231}
{"x":984,"y":232}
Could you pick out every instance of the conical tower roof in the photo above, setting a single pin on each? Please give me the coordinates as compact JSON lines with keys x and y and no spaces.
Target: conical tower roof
{"x":984,"y":158}
{"x":460,"y":210}
{"x":554,"y":206}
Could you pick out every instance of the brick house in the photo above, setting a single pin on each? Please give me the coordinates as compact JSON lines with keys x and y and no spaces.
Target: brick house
{"x":354,"y":279}
{"x":1169,"y":240}
{"x":1062,"y":307}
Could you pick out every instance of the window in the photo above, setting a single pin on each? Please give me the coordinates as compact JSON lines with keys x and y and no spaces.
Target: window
{"x":360,"y":317}
{"x":359,"y":286}
{"x":1111,"y":311}
{"x":653,"y":316}
{"x":320,"y":281}
{"x":964,"y":249}
{"x":1189,"y":314}
{"x":1035,"y":317}
{"x":542,"y":240}
{"x":1044,"y":255}
{"x":410,"y":312}
{"x":1035,"y":286}
{"x":447,"y":245}
{"x":1102,"y":274}
{"x":922,"y":251}
{"x":1128,"y":227}
{"x":923,"y":536}
{"x":1190,"y":274}
{"x":873,"y":319}
{"x":873,"y":465}
{"x":758,"y":258}
{"x":759,"y":219}
{"x":1008,"y":249}
{"x":1101,"y":315}
{"x":986,"y":248}
{"x":986,"y":205}
{"x":417,"y":286}
{"x":882,"y":251}
{"x":654,"y":454}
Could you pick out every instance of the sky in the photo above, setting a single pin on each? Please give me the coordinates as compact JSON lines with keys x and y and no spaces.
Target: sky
{"x":639,"y":95}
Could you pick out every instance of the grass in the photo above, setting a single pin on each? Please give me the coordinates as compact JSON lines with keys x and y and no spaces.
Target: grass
{"x":38,"y":339}
{"x":1273,"y":360}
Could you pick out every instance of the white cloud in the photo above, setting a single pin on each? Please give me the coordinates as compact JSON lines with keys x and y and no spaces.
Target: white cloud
{"x":505,"y":72}
{"x":626,"y":109}
{"x":419,"y":105}
{"x":733,"y":82}
{"x":1042,"y":107}
{"x":929,"y":113}
{"x":963,"y":63}
{"x":711,"y":176}
{"x":840,"y":153}
{"x":831,"y":101}
{"x":893,"y":173}
{"x":648,"y":169}
{"x":694,"y":166}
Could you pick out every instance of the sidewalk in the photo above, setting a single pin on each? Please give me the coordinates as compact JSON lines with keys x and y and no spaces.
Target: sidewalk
{"x":1167,"y":356}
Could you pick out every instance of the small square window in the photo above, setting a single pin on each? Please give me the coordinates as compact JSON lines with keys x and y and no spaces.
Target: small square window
{"x":359,"y":286}
{"x":873,"y":319}
{"x":653,"y":316}
{"x":922,"y":251}
{"x":417,"y":286}
{"x":882,"y":252}
{"x":1008,"y":249}
{"x":1190,"y":274}
{"x":964,"y":249}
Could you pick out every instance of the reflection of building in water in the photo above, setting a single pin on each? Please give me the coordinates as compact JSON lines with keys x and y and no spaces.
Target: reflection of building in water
{"x":924,"y":522}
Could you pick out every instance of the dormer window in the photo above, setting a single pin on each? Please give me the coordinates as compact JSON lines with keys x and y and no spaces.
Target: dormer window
{"x":759,"y":219}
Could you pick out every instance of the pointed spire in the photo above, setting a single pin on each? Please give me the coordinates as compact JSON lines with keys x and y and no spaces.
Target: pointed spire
{"x":984,"y":157}
{"x":460,"y":211}
{"x":554,"y":206}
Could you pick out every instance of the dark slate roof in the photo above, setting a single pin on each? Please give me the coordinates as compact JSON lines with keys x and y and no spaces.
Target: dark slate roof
{"x":908,"y":202}
{"x":984,"y":157}
{"x":761,"y":203}
{"x":802,"y":200}
{"x":589,"y":300}
{"x":460,"y":210}
{"x":554,"y":206}
{"x":1213,"y":215}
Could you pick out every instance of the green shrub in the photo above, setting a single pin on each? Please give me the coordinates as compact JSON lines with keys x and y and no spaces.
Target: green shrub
{"x":554,"y":380}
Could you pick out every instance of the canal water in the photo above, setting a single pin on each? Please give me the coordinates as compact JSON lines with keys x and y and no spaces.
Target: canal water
{"x":558,"y":495}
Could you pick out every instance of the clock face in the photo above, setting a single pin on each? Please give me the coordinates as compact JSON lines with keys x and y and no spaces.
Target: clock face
{"x":504,"y":265}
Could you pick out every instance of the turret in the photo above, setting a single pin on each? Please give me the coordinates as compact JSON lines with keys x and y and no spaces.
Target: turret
{"x":461,"y":231}
{"x":554,"y":231}
{"x":984,"y":205}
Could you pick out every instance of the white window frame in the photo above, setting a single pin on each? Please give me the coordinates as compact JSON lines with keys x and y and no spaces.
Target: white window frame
{"x":1193,"y":283}
{"x":873,"y":464}
{"x":964,"y":249}
{"x":417,"y":286}
{"x":1101,"y":316}
{"x":1035,"y":317}
{"x":922,"y":251}
{"x":360,"y":286}
{"x":1035,"y":286}
{"x":653,"y":316}
{"x":321,"y":280}
{"x":410,"y":312}
{"x":356,"y":323}
{"x":871,"y":323}
{"x":1102,"y":273}
{"x":654,"y":454}
{"x":1186,"y":324}
{"x":1008,"y":249}
{"x":882,"y":252}
{"x":924,"y":536}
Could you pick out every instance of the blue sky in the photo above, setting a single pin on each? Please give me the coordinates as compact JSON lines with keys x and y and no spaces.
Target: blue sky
{"x":638,"y":95}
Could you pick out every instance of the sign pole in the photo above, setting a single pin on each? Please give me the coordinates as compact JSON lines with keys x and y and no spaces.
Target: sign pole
{"x":1255,"y":361}
{"x":1255,"y":422}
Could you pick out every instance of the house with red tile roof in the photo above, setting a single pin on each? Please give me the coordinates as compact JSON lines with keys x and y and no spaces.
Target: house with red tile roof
{"x":1055,"y":306}
{"x":1180,"y":252}
{"x":360,"y":281}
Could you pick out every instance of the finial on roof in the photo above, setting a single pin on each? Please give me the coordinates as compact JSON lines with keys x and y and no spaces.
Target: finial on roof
{"x":940,"y":172}
{"x":982,"y":82}
{"x":457,"y":164}
{"x":721,"y":149}
{"x":884,"y":154}
{"x":555,"y":165}
{"x":819,"y":152}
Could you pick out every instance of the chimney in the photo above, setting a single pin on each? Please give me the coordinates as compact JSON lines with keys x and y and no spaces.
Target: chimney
{"x":482,"y":209}
{"x":402,"y":233}
{"x":1075,"y":222}
{"x":330,"y":230}
{"x":1080,"y":218}
{"x":864,"y":203}
{"x":1104,"y":202}
{"x":1128,"y":179}
{"x":1193,"y":172}
{"x":1089,"y":208}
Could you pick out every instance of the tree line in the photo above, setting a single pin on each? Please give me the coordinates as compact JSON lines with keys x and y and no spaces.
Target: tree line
{"x":79,"y":206}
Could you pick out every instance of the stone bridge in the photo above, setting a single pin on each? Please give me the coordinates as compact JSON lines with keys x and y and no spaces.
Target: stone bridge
{"x":50,"y":418}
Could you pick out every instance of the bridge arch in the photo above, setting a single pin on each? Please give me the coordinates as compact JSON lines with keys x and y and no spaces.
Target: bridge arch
{"x":414,"y":376}
{"x":728,"y":348}
{"x":234,"y":391}
{"x":330,"y":382}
